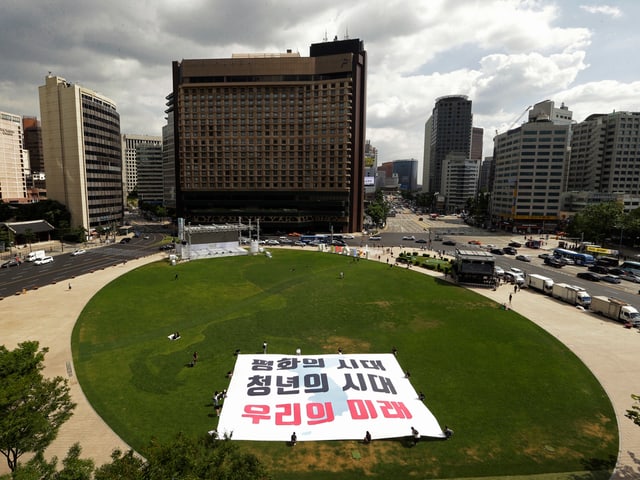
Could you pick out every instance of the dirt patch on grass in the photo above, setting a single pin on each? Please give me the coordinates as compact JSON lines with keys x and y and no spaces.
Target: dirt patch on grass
{"x":348,"y":345}
{"x":420,"y":324}
{"x":599,"y":429}
{"x":382,"y":303}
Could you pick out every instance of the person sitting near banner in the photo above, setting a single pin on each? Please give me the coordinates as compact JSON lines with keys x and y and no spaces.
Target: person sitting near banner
{"x":415,"y":436}
{"x":367,"y":437}
{"x":447,"y":432}
{"x":294,"y":439}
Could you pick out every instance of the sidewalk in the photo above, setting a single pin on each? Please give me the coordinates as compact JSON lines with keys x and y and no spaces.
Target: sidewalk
{"x":607,"y":349}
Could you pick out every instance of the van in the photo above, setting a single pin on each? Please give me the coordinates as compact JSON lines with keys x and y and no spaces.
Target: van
{"x":43,"y":260}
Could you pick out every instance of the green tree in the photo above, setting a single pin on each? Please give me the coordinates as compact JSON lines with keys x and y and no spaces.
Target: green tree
{"x":185,"y":458}
{"x":596,"y":222}
{"x":73,"y":467}
{"x":32,"y":408}
{"x":634,"y":413}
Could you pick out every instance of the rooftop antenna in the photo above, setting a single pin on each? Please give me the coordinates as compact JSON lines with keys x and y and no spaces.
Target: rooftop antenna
{"x":346,"y":35}
{"x":324,"y":39}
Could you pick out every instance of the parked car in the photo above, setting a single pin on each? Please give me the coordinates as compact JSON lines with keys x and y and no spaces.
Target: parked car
{"x":598,"y":269}
{"x":592,"y":277}
{"x":448,"y":242}
{"x":510,"y":251}
{"x":516,"y":270}
{"x":43,"y":260}
{"x":523,"y":258}
{"x":515,"y":244}
{"x":498,"y":271}
{"x":77,"y":252}
{"x":513,"y":277}
{"x":610,"y":278}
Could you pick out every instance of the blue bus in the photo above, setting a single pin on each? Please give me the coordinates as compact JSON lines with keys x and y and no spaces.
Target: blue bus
{"x":579,"y":258}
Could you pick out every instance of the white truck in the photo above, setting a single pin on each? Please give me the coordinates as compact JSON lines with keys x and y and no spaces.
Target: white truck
{"x":540,"y":283}
{"x":571,"y":294}
{"x":35,"y":255}
{"x":616,"y":310}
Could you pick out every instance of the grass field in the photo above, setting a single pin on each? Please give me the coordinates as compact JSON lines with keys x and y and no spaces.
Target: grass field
{"x":519,"y":401}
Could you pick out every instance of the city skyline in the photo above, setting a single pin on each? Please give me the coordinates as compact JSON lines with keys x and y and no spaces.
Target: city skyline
{"x":504,"y":56}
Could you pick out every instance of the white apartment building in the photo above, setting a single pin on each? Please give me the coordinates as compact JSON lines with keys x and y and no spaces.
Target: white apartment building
{"x":14,"y":160}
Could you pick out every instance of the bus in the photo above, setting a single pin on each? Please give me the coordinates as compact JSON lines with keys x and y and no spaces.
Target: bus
{"x":631,"y":267}
{"x":579,"y":258}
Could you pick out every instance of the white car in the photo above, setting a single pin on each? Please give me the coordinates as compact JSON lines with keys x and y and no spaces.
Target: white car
{"x":375,"y":237}
{"x":43,"y":260}
{"x":409,"y":237}
{"x":348,"y":236}
{"x":517,"y":271}
{"x":523,"y":258}
{"x":80,"y":251}
{"x":498,"y":271}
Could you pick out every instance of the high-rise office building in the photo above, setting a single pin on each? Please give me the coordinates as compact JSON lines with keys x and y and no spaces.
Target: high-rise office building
{"x":449,"y":130}
{"x":276,"y":137}
{"x":82,"y":152}
{"x":407,"y":171}
{"x":14,"y":159}
{"x":459,"y":181}
{"x":33,"y":143}
{"x":130,"y":144}
{"x":530,"y":169}
{"x":149,"y":176}
{"x":168,"y":163}
{"x":477,"y":143}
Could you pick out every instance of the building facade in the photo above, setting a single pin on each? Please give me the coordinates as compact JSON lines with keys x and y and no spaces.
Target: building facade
{"x":168,"y":164}
{"x":451,"y":125}
{"x":275,"y":137}
{"x":530,"y":171}
{"x":14,"y":160}
{"x":130,"y":144}
{"x":82,"y":152}
{"x":459,"y":181}
{"x":407,"y":172}
{"x":150,"y":173}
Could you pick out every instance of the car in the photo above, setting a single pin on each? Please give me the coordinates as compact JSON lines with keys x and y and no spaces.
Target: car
{"x":14,"y":262}
{"x":544,"y":256}
{"x":610,"y":278}
{"x":617,"y":271}
{"x":77,"y":252}
{"x":513,"y":277}
{"x":421,"y":240}
{"x":448,"y":242}
{"x":299,"y":243}
{"x":515,"y":244}
{"x":510,"y":251}
{"x":598,"y":269}
{"x":498,"y":271}
{"x":592,"y":277}
{"x":496,"y":251}
{"x":348,"y":236}
{"x":273,"y":242}
{"x":516,"y":270}
{"x":145,"y":237}
{"x":375,"y":237}
{"x":523,"y":258}
{"x":43,"y":261}
{"x":285,"y":241}
{"x":125,"y":240}
{"x":409,"y":237}
{"x":474,"y":242}
{"x":630,"y":277}
{"x":489,"y":246}
{"x":167,"y":246}
{"x":338,"y":243}
{"x":553,"y":262}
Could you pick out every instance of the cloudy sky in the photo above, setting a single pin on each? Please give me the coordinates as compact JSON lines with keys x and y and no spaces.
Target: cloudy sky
{"x":504,"y":54}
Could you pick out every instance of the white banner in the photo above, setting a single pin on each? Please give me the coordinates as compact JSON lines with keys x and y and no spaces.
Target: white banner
{"x":322,"y":397}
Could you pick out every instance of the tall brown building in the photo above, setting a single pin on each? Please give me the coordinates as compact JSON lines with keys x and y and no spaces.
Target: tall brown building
{"x":275,"y":137}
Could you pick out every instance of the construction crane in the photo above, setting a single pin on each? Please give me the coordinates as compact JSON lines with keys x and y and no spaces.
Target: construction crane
{"x":520,"y":116}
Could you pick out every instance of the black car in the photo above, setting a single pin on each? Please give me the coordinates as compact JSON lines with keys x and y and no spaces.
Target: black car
{"x":448,"y":242}
{"x":515,"y":244}
{"x":598,"y":269}
{"x":554,"y":262}
{"x":510,"y":250}
{"x":11,"y":263}
{"x":592,"y":277}
{"x":617,"y":271}
{"x":496,"y":251}
{"x":421,"y":240}
{"x":168,"y":246}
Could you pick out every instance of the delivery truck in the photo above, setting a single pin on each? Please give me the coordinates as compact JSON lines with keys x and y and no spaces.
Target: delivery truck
{"x":616,"y":310}
{"x":571,"y":294}
{"x":35,"y":255}
{"x":540,"y":283}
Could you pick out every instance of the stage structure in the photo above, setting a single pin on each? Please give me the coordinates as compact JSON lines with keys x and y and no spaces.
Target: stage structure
{"x":210,"y":241}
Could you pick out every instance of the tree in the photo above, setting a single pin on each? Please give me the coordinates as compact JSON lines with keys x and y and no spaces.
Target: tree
{"x":202,"y":457}
{"x":32,"y":408}
{"x":73,"y":467}
{"x":634,"y":413}
{"x":596,"y":222}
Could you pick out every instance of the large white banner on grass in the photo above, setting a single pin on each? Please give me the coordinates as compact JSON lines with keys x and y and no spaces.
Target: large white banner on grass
{"x":322,"y":397}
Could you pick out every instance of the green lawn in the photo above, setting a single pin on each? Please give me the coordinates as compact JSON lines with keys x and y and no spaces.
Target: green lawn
{"x":519,"y":401}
